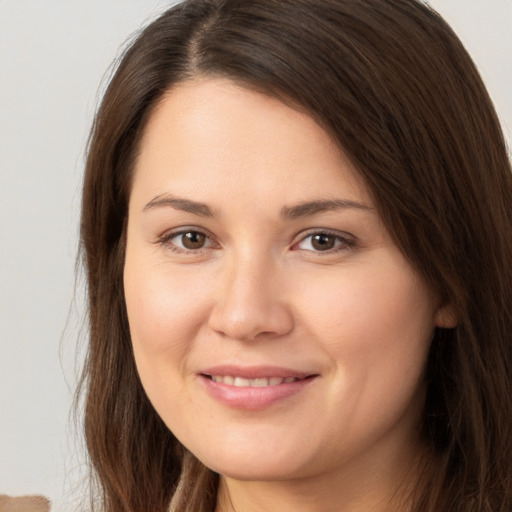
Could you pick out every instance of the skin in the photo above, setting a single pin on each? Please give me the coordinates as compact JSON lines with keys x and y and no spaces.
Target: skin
{"x":259,"y":292}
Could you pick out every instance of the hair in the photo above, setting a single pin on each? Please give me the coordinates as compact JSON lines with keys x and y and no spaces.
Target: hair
{"x":393,"y":86}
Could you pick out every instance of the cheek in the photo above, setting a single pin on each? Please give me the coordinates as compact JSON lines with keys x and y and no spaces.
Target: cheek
{"x":164,"y":309}
{"x":380,"y":305}
{"x":165,"y":313}
{"x":376,"y":324}
{"x":164,"y":316}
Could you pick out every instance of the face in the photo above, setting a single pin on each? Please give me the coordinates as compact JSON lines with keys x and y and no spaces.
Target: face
{"x":277,"y":329}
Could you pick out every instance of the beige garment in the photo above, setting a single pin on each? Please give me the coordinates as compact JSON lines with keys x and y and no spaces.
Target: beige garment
{"x":24,"y":504}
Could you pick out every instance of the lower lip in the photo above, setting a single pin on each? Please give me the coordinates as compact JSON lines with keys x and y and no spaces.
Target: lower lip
{"x":253,"y":398}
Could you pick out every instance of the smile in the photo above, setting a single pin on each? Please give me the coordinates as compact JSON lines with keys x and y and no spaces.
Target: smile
{"x":240,"y":382}
{"x":253,"y":388}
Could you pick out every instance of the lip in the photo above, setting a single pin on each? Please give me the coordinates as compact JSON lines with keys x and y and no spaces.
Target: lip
{"x":254,"y":398}
{"x":256,"y":372}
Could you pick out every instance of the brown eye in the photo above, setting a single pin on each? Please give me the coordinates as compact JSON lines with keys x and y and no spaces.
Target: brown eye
{"x":323,"y":242}
{"x":193,"y":240}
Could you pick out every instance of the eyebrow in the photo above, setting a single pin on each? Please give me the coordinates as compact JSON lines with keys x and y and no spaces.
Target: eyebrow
{"x":185,"y":205}
{"x":304,"y":209}
{"x":313,"y":207}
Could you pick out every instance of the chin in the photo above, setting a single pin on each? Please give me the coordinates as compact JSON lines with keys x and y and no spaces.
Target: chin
{"x":261,"y":472}
{"x":257,"y":465}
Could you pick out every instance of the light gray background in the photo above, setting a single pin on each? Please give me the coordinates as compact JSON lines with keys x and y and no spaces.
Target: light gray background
{"x":53,"y":55}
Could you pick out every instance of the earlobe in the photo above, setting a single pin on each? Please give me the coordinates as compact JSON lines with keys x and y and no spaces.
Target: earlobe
{"x":445,"y":317}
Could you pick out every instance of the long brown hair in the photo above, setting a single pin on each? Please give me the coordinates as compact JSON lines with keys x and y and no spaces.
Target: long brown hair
{"x":394,"y":87}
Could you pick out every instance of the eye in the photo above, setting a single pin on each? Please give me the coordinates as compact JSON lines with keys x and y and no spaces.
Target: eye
{"x":189,"y":240}
{"x":192,"y":240}
{"x":324,"y":241}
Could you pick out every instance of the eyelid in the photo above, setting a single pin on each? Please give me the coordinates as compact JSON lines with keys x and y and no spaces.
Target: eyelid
{"x":348,"y":241}
{"x":167,"y":236}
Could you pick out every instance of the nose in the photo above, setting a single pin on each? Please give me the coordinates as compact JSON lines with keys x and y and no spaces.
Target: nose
{"x":251,"y":303}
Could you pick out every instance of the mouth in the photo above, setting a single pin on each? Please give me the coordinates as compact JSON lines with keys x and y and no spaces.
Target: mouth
{"x":254,"y":388}
{"x":263,"y":382}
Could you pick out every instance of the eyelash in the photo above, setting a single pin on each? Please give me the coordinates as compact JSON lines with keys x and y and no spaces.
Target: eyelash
{"x":345,"y":242}
{"x":165,"y":240}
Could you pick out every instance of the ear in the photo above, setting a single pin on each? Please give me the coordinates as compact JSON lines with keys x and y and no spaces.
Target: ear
{"x":445,"y":317}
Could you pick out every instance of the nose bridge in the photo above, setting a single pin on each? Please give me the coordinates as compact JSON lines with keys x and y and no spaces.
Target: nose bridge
{"x":251,"y":301}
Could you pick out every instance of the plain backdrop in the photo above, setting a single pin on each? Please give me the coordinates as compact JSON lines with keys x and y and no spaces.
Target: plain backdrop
{"x":53,"y":55}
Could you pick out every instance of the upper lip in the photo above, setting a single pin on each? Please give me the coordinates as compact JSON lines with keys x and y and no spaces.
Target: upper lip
{"x":255,"y":372}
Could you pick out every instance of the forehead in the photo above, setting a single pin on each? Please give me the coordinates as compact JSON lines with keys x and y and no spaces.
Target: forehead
{"x":207,"y":132}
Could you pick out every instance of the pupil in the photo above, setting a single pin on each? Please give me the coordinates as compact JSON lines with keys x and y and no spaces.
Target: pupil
{"x":323,"y":242}
{"x":193,"y":240}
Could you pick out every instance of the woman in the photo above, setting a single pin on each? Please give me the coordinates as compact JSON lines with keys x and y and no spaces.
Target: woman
{"x":297,"y":236}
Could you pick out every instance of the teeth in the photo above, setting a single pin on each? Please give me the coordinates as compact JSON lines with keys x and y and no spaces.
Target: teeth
{"x":253,"y":383}
{"x":241,"y":382}
{"x":259,"y":383}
